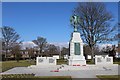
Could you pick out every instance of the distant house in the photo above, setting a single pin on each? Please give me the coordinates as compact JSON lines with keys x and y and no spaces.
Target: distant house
{"x":118,"y":51}
{"x":56,"y":56}
{"x":88,"y":56}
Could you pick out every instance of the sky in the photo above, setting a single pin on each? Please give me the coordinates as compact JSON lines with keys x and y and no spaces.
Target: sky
{"x":50,"y":20}
{"x":60,"y":0}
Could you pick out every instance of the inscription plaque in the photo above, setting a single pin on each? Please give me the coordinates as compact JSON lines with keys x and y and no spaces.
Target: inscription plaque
{"x":40,"y":60}
{"x":99,"y":60}
{"x":51,"y":60}
{"x":77,"y":48}
{"x":108,"y":59}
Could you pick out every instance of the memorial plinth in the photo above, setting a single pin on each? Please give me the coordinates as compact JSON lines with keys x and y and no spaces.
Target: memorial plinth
{"x":45,"y":61}
{"x":103,"y":60}
{"x":76,"y":50}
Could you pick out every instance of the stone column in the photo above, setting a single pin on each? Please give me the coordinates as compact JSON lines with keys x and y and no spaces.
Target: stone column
{"x":76,"y":57}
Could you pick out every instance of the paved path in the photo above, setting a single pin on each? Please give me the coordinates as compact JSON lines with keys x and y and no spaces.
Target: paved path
{"x":89,"y":71}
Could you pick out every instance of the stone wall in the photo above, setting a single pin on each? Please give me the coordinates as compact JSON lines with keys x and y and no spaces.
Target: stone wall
{"x":46,"y":61}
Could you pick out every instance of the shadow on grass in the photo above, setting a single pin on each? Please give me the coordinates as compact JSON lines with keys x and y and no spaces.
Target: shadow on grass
{"x":33,"y":77}
{"x":109,"y":77}
{"x":6,"y":65}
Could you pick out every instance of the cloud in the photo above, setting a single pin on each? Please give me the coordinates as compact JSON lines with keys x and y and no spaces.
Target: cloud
{"x":60,"y":44}
{"x":104,"y":45}
{"x":30,"y":44}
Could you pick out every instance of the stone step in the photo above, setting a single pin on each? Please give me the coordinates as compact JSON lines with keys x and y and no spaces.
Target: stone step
{"x":89,"y":67}
{"x":44,"y":66}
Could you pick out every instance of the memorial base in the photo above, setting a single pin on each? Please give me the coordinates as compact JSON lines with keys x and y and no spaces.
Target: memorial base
{"x":46,"y":61}
{"x":103,"y":60}
{"x":76,"y":60}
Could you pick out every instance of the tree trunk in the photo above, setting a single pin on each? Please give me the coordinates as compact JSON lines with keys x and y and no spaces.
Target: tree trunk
{"x":92,"y":54}
{"x":6,"y":55}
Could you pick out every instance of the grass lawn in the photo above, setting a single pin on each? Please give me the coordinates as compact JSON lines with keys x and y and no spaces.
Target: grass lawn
{"x":6,"y":65}
{"x":61,"y":61}
{"x":117,"y":62}
{"x":32,"y":77}
{"x":109,"y":77}
{"x":89,"y":62}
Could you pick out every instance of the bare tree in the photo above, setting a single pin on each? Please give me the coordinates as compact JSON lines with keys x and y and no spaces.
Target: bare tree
{"x":9,"y":37}
{"x":16,"y":51}
{"x":94,"y":23}
{"x":64,"y":51}
{"x":41,"y":42}
{"x":86,"y":50}
{"x":117,"y":37}
{"x":52,"y":49}
{"x":31,"y":53}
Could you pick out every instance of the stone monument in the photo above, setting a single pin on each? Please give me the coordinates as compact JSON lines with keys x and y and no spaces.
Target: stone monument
{"x":45,"y":61}
{"x":103,"y":60}
{"x":76,"y":45}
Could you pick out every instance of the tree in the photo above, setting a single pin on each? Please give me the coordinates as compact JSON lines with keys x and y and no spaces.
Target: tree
{"x":117,"y":37}
{"x":94,"y":23}
{"x":52,"y":49}
{"x":31,"y":53}
{"x":110,"y":50}
{"x":41,"y":42}
{"x":16,"y":51}
{"x":1,"y":52}
{"x":9,"y":37}
{"x":86,"y":50}
{"x":64,"y":51}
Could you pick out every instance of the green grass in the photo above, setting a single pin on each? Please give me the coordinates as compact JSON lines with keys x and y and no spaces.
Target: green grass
{"x":89,"y":62}
{"x":32,"y":77}
{"x":109,"y":77}
{"x":61,"y":61}
{"x":6,"y":65}
{"x":117,"y":62}
{"x":18,"y":76}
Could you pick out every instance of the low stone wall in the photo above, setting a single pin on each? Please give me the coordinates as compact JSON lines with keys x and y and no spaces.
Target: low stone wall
{"x":103,"y":60}
{"x":46,"y":61}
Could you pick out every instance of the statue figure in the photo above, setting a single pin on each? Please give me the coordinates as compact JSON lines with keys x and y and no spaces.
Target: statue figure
{"x":74,"y":21}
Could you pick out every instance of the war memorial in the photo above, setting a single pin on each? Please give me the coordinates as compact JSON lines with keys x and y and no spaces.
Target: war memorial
{"x":76,"y":66}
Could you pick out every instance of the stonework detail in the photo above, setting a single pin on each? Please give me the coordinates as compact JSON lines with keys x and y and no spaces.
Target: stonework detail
{"x":51,"y":60}
{"x":76,"y":50}
{"x":46,"y":61}
{"x":103,"y":60}
{"x":40,"y":60}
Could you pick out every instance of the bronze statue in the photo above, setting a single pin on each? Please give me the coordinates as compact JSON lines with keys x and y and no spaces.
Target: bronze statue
{"x":74,"y":21}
